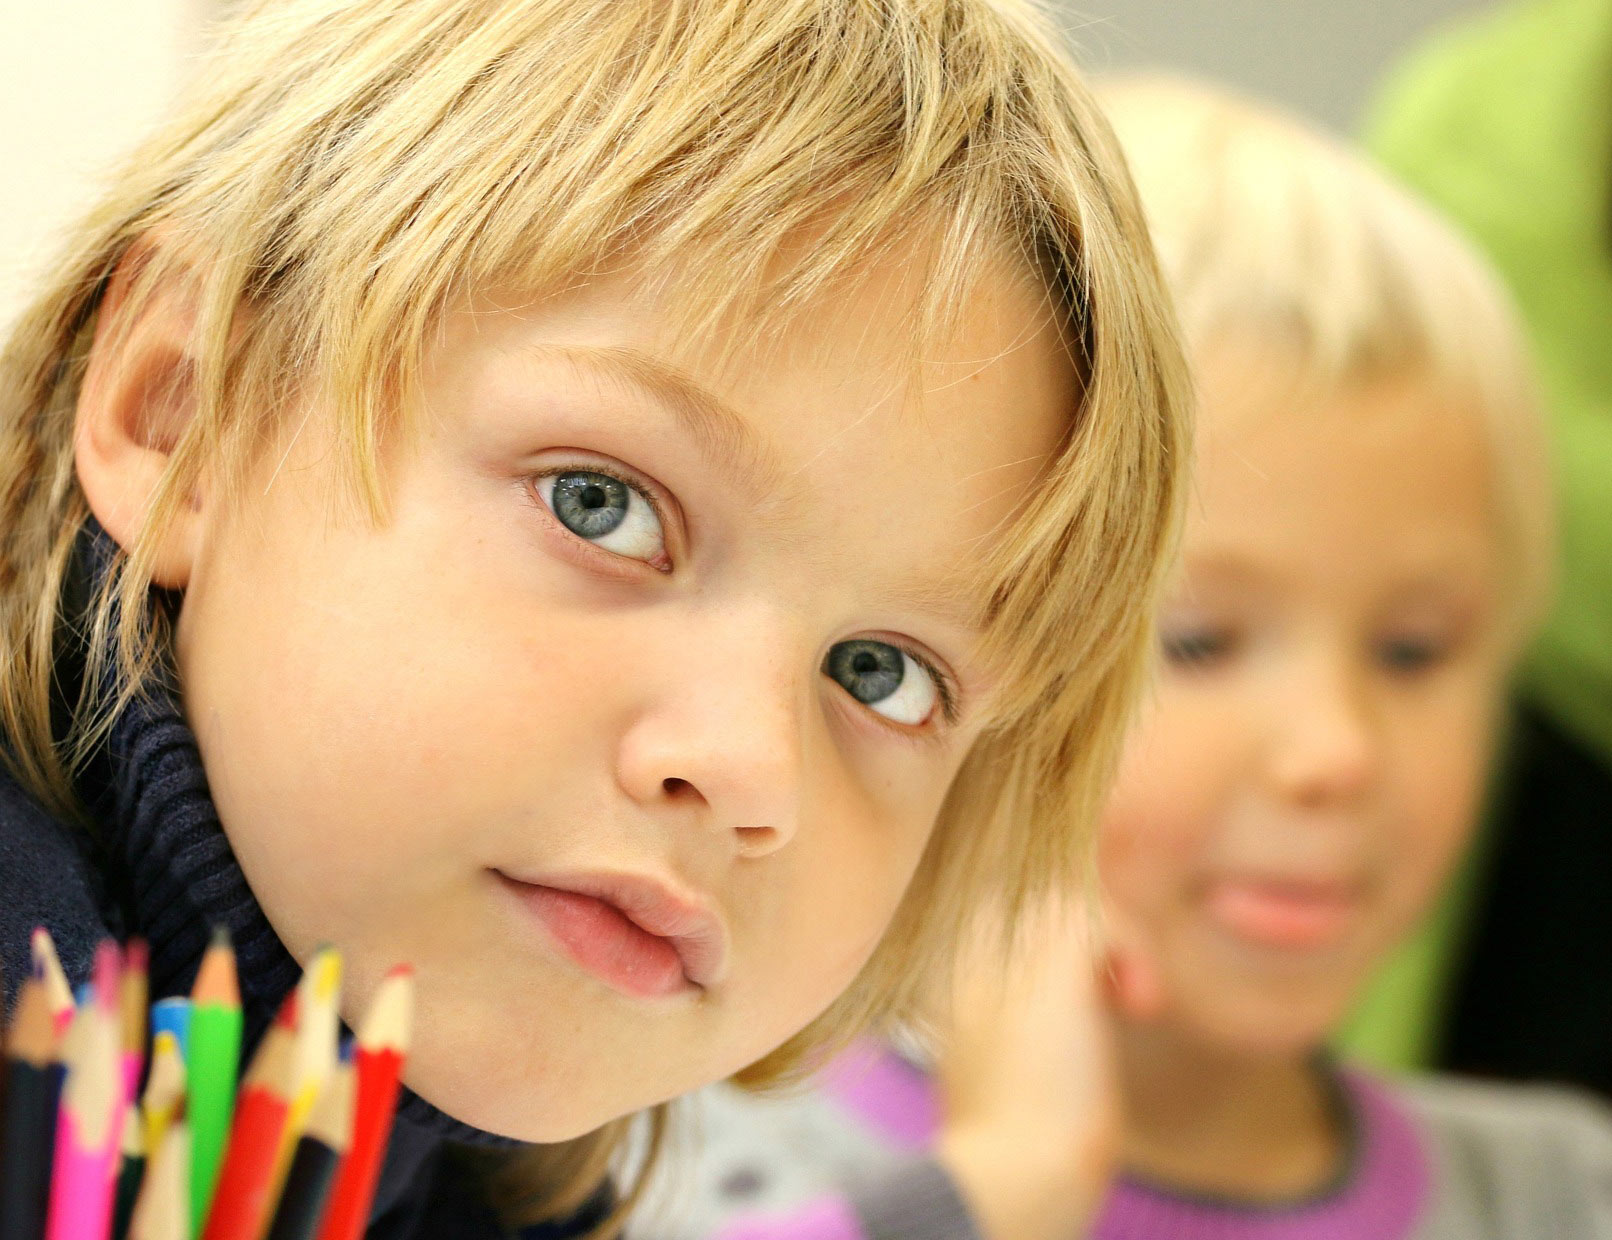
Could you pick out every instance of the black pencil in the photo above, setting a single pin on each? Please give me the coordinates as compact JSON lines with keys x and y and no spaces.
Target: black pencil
{"x":313,"y":1166}
{"x":131,"y":1171}
{"x":28,"y":1140}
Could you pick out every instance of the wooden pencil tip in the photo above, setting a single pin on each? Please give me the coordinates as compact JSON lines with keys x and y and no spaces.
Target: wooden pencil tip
{"x":42,"y":949}
{"x":107,"y":970}
{"x":286,"y":1017}
{"x":137,"y":956}
{"x":33,"y":1038}
{"x":215,"y":979}
{"x":388,"y":1023}
{"x":48,"y":969}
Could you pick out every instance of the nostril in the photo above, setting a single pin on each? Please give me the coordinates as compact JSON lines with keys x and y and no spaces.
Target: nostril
{"x":677,"y":788}
{"x":754,"y":840}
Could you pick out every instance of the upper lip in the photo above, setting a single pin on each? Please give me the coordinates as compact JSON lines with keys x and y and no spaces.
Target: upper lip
{"x":684,"y":919}
{"x":1297,"y":884}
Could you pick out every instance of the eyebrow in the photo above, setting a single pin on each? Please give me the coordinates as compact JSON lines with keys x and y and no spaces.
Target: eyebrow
{"x":725,"y":435}
{"x":721,"y":433}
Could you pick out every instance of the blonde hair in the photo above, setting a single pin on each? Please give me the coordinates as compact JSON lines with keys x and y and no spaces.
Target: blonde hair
{"x":1272,"y":230}
{"x":349,"y":170}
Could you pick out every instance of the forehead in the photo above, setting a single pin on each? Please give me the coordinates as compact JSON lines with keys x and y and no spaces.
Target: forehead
{"x":1349,"y":483}
{"x":857,"y":449}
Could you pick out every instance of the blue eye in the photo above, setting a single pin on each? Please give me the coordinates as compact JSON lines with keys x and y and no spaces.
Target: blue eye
{"x":884,"y":678}
{"x":604,"y":511}
{"x":1197,"y":648}
{"x":1409,"y":655}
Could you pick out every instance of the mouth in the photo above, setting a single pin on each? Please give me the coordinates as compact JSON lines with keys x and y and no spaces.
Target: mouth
{"x":1284,"y":913}
{"x":636,"y":934}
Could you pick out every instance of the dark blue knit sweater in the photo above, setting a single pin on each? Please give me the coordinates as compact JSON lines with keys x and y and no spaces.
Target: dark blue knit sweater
{"x":158,"y":865}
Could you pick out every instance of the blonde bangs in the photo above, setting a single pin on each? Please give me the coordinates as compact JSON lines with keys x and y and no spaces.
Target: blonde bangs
{"x":1275,"y":232}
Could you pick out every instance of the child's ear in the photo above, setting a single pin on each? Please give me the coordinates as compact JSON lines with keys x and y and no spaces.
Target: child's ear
{"x":137,"y":398}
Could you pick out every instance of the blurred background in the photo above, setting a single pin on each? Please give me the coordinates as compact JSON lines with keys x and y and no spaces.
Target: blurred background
{"x":80,"y":79}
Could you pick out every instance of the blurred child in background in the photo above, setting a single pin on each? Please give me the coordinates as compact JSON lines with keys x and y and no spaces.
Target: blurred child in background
{"x":1368,"y":548}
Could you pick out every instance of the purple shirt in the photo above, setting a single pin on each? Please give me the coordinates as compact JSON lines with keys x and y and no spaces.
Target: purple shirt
{"x":1381,"y":1195}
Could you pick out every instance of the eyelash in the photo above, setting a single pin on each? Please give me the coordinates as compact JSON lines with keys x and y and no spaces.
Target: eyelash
{"x":945,"y":687}
{"x":639,"y":488}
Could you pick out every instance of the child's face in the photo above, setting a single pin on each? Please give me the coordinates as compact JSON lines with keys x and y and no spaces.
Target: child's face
{"x":1313,"y":754}
{"x":640,"y":635}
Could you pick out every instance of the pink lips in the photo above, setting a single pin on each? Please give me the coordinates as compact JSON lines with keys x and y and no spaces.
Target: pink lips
{"x":633,"y":933}
{"x":1283,"y":913}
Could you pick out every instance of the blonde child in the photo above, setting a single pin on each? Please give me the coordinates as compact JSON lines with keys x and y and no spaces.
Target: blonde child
{"x":600,"y":500}
{"x":1367,"y":545}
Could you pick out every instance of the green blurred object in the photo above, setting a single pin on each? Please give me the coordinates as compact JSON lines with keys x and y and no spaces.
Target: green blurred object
{"x":1395,"y":1025}
{"x":1506,"y":125}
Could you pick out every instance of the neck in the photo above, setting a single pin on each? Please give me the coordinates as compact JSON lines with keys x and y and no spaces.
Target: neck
{"x":1201,"y":1119}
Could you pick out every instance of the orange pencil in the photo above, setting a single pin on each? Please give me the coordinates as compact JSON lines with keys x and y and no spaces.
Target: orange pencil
{"x":241,"y":1202}
{"x":48,"y":969}
{"x":383,"y":1042}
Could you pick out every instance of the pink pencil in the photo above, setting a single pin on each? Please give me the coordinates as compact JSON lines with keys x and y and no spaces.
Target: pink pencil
{"x":107,"y":983}
{"x":132,"y":1004}
{"x":86,"y":1136}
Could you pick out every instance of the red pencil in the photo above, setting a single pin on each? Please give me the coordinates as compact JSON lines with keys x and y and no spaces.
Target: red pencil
{"x":383,"y":1042}
{"x":241,"y":1200}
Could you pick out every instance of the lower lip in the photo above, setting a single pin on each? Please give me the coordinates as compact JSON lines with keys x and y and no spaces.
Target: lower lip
{"x":599,"y":937}
{"x":1290,"y":916}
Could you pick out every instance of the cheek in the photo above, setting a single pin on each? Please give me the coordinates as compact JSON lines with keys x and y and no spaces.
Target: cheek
{"x":1442,"y":800}
{"x":822,"y":913}
{"x":1162,"y":813}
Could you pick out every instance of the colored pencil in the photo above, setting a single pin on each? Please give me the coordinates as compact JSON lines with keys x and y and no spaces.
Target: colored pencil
{"x":86,"y":1140}
{"x":131,"y":1170}
{"x":241,"y":1202}
{"x":211,"y":1067}
{"x":165,"y":1089}
{"x":319,"y":1152}
{"x":318,"y":1026}
{"x":133,"y":996}
{"x":108,"y":979}
{"x":172,"y":1015}
{"x":48,"y":968}
{"x":28,"y":1130}
{"x":106,"y":976}
{"x":163,"y":1210}
{"x":383,"y":1041}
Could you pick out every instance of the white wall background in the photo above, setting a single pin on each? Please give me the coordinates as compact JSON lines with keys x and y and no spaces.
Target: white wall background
{"x":1323,"y":57}
{"x":81,"y":79}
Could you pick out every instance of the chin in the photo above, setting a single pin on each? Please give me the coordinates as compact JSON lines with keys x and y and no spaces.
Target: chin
{"x":1267,"y":1021}
{"x":533,"y":1116}
{"x":536,"y":1108}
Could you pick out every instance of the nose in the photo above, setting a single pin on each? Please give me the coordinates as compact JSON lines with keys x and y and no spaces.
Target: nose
{"x":720,"y":737}
{"x":1325,"y":749}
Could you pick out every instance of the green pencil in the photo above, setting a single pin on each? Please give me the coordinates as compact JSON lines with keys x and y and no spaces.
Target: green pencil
{"x":211,"y":1069}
